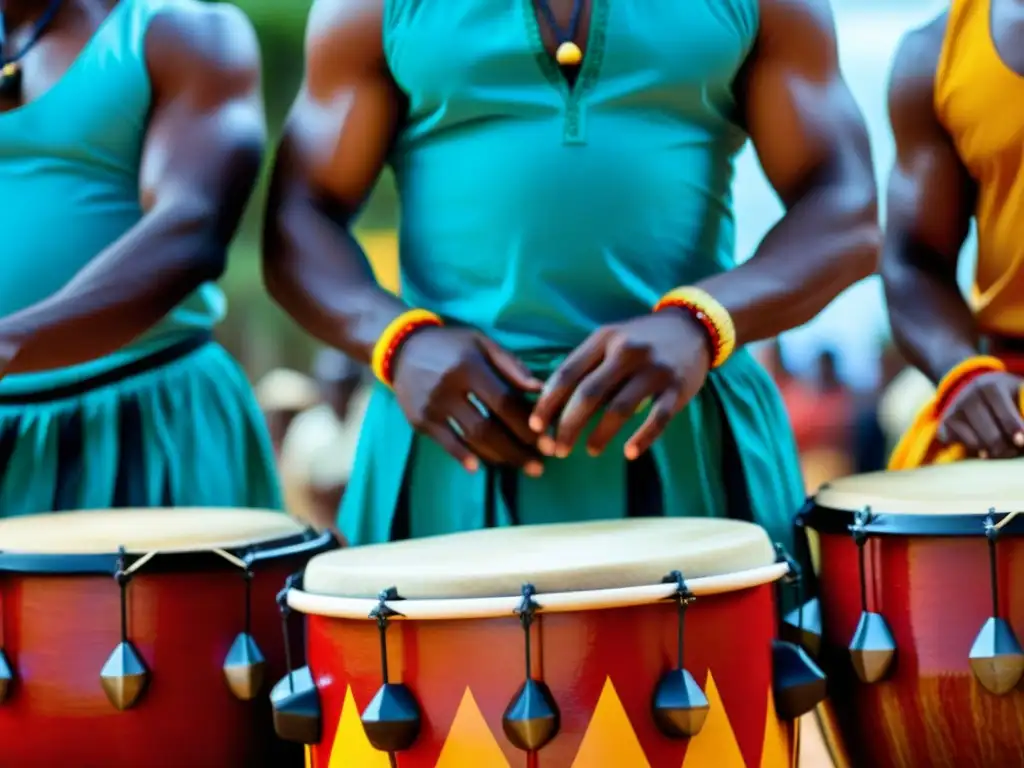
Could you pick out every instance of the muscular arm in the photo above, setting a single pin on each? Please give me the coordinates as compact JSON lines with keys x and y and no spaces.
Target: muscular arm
{"x":200,"y":161}
{"x":813,"y":146}
{"x":335,"y":145}
{"x":930,"y":204}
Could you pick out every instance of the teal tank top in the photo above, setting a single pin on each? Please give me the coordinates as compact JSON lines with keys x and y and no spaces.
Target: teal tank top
{"x":69,"y":168}
{"x":537,"y":212}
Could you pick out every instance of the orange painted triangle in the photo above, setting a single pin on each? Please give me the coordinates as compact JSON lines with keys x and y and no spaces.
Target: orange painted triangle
{"x":776,"y":751}
{"x":470,"y":742}
{"x":716,"y":743}
{"x":610,"y":738}
{"x":351,"y":748}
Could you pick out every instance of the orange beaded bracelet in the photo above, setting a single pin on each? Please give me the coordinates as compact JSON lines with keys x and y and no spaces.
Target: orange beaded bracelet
{"x":705,"y":309}
{"x":392,"y":338}
{"x":962,"y":374}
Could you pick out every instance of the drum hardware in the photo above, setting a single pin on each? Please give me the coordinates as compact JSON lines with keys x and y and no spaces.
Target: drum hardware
{"x":679,"y":705}
{"x":124,"y":676}
{"x":996,"y":657}
{"x":295,"y":699}
{"x":872,"y":649}
{"x":802,"y":625}
{"x":244,"y":665}
{"x":532,"y":718}
{"x":6,"y":670}
{"x":798,"y":684}
{"x":392,"y":718}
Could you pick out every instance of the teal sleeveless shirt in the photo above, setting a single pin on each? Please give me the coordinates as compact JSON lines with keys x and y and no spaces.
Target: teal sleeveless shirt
{"x":69,"y":175}
{"x":536,"y":213}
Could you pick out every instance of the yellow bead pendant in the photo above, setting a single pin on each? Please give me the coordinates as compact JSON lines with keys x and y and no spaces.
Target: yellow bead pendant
{"x":568,"y":54}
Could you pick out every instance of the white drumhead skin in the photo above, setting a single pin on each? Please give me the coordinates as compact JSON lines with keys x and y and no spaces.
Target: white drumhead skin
{"x":144,"y":530}
{"x":563,"y":557}
{"x":971,"y":487}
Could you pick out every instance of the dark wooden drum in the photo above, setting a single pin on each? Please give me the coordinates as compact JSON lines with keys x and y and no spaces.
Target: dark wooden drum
{"x":144,"y":637}
{"x":922,"y":610}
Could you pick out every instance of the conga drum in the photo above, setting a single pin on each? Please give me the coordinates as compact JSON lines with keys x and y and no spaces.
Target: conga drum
{"x":922,"y":614}
{"x":646,"y":643}
{"x":144,"y":637}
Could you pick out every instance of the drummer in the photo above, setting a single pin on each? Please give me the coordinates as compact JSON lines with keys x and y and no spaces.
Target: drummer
{"x":957,"y":86}
{"x":567,"y":250}
{"x":124,"y":176}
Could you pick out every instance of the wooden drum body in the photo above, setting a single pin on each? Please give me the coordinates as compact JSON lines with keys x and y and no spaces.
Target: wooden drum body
{"x":197,"y":700}
{"x":604,"y":634}
{"x":950,"y":695}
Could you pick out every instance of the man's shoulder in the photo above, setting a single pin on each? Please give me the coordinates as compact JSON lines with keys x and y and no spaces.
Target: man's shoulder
{"x":216,"y":37}
{"x":919,"y":50}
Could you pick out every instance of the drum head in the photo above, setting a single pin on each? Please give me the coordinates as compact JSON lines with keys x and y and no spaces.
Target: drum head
{"x":144,"y":530}
{"x":966,"y":488}
{"x":554,"y":558}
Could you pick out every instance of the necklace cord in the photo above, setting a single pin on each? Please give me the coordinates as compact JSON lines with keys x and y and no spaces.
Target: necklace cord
{"x":574,"y":20}
{"x":40,"y":26}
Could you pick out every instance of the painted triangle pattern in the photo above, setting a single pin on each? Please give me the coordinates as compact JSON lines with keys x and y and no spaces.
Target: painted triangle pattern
{"x":351,"y":748}
{"x":775,"y":753}
{"x":610,"y":738}
{"x":470,"y":742}
{"x":716,"y":743}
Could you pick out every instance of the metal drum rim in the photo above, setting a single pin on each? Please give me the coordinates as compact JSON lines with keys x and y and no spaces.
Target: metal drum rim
{"x":446,"y":609}
{"x":825,"y":519}
{"x":167,"y":561}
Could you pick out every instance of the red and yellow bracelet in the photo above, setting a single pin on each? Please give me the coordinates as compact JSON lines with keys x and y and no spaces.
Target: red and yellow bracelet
{"x":962,"y":374}
{"x":705,"y":309}
{"x":392,"y":338}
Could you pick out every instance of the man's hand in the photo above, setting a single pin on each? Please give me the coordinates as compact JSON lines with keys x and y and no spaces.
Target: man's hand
{"x":662,"y":357}
{"x":985,"y":417}
{"x":468,"y":394}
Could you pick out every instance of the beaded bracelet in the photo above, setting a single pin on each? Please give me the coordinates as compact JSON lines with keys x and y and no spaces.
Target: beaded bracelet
{"x":962,"y":374}
{"x":705,"y":309}
{"x":392,"y":338}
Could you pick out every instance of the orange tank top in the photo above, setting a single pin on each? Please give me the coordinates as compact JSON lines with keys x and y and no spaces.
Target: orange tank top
{"x":979,"y":100}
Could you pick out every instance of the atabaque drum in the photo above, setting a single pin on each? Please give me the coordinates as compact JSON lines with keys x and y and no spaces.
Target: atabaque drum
{"x":144,"y":637}
{"x":921,"y":598}
{"x":646,"y":643}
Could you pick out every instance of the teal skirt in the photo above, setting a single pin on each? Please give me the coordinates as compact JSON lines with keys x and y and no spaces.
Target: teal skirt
{"x":729,"y":453}
{"x":170,"y":430}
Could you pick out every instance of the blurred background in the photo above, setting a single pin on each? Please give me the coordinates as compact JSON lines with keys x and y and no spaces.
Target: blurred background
{"x":846,"y":389}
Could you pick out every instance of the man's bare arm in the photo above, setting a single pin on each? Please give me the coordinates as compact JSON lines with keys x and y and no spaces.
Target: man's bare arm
{"x":930,"y":204}
{"x":813,"y":145}
{"x":201,"y":158}
{"x":335,"y":145}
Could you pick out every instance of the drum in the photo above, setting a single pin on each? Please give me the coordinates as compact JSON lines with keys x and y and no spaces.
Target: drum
{"x":645,"y":643}
{"x":921,"y":613}
{"x":144,"y":637}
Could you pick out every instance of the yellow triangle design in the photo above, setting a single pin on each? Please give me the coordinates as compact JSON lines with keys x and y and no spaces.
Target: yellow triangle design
{"x":610,"y":738}
{"x":470,"y":742}
{"x":775,"y":753}
{"x":716,"y":743}
{"x":351,"y":747}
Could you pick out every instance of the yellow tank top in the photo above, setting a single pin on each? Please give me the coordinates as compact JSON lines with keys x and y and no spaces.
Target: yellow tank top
{"x":979,"y":100}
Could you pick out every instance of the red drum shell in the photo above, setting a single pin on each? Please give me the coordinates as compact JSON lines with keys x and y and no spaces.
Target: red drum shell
{"x":59,"y":630}
{"x":729,"y":635}
{"x":934,"y":593}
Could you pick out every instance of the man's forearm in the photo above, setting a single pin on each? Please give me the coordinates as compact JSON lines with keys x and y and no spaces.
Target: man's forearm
{"x":827,"y":241}
{"x":932,"y":324}
{"x":120,"y":295}
{"x":317,"y":271}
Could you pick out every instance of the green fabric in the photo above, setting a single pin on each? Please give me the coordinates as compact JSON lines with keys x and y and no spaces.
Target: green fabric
{"x":69,"y":171}
{"x":537,"y":213}
{"x":187,"y":434}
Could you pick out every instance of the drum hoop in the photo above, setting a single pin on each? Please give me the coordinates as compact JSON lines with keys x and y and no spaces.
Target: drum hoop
{"x":443,"y":609}
{"x":308,"y":542}
{"x":825,"y":519}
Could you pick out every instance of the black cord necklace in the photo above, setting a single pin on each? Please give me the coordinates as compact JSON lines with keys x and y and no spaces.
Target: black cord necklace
{"x":568,"y":54}
{"x":10,"y":66}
